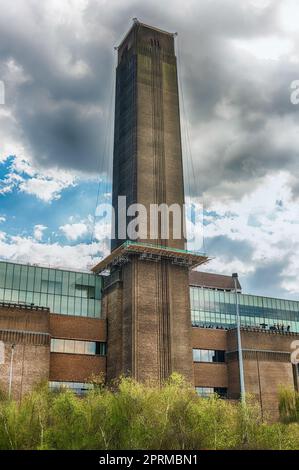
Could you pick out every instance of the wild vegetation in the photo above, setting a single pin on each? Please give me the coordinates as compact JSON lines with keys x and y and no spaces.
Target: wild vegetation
{"x":289,"y":406}
{"x":135,"y":416}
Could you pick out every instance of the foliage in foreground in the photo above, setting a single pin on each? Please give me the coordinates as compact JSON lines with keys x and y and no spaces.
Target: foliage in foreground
{"x":289,"y":405}
{"x":135,"y":416}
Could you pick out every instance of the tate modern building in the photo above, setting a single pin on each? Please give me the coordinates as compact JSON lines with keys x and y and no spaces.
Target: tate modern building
{"x":147,"y":309}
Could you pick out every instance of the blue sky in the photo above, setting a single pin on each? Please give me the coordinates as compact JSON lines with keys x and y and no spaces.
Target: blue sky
{"x":44,"y":213}
{"x":239,"y":130}
{"x":23,"y":210}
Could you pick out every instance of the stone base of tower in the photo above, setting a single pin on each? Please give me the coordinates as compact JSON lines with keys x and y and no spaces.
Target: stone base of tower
{"x":149,"y":328}
{"x":146,"y":303}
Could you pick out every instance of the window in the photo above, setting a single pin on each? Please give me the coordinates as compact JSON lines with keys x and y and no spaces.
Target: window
{"x":221,"y":391}
{"x":80,"y":388}
{"x":218,"y":310}
{"x":207,"y":392}
{"x":208,"y":355}
{"x":87,"y":292}
{"x":57,"y":345}
{"x":71,"y":346}
{"x":100,"y":348}
{"x":63,"y":292}
{"x":204,"y":391}
{"x":51,"y":287}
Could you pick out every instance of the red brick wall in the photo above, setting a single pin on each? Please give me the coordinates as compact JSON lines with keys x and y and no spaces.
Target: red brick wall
{"x":210,"y":375}
{"x":75,"y":367}
{"x":24,"y":319}
{"x":207,"y":374}
{"x":209,"y":338}
{"x":149,"y":327}
{"x":31,"y":358}
{"x":267,"y":366}
{"x":30,"y":368}
{"x":112,"y":304}
{"x":65,"y":326}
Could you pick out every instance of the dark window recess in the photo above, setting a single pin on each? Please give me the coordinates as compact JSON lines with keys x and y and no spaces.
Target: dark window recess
{"x":100,"y":349}
{"x":207,"y":392}
{"x":219,"y":356}
{"x":87,"y":292}
{"x":221,"y":391}
{"x":71,"y":346}
{"x":208,"y":355}
{"x":155,"y":43}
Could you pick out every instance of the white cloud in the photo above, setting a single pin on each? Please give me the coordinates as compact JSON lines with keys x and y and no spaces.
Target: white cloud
{"x":268,"y":219}
{"x":27,"y":250}
{"x":44,"y":188}
{"x":242,"y":125}
{"x":45,"y":184}
{"x":288,"y":15}
{"x":98,"y":228}
{"x":39,"y":232}
{"x":266,"y":48}
{"x":74,"y":231}
{"x":9,"y":183}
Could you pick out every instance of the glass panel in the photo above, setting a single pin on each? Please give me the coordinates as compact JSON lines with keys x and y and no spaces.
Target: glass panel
{"x":204,"y":356}
{"x":2,"y":273}
{"x":53,"y":288}
{"x":65,"y":283}
{"x":9,"y":276}
{"x":69,"y":346}
{"x":37,"y":280}
{"x":27,"y":278}
{"x":72,"y":283}
{"x":101,"y":348}
{"x":80,"y":347}
{"x":16,"y":277}
{"x":57,"y":345}
{"x":90,"y":347}
{"x":196,"y":355}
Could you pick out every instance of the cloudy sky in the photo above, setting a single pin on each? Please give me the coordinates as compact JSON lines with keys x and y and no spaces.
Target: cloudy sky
{"x":237,"y":60}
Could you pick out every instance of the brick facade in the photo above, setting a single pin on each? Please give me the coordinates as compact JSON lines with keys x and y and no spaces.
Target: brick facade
{"x":76,"y":367}
{"x":267,"y":365}
{"x":29,"y":330}
{"x":266,"y":353}
{"x":148,"y":311}
{"x":84,"y":328}
{"x":25,"y":334}
{"x":149,"y":325}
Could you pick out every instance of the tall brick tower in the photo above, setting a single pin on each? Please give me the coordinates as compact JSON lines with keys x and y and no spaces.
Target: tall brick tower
{"x":146,"y":295}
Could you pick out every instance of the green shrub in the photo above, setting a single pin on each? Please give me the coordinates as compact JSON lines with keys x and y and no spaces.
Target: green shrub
{"x":131,"y":415}
{"x":289,"y":405}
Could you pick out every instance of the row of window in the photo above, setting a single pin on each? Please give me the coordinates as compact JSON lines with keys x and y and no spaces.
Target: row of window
{"x":49,"y":281}
{"x":207,"y":392}
{"x":208,"y":355}
{"x":214,"y":308}
{"x":204,"y":297}
{"x":63,"y":292}
{"x":72,"y":346}
{"x":230,"y":309}
{"x":60,"y":304}
{"x":199,"y":318}
{"x":80,"y":388}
